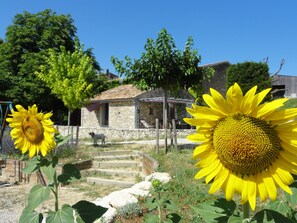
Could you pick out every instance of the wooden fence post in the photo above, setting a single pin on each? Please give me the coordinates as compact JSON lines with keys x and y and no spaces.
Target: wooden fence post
{"x":174,"y":133}
{"x":157,"y":136}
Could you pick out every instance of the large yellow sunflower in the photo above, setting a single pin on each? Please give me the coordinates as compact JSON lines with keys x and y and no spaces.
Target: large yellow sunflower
{"x":32,"y":131}
{"x":246,"y":148}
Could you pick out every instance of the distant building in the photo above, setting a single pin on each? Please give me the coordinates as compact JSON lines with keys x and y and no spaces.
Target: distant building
{"x":110,"y":76}
{"x":219,"y":80}
{"x":284,"y":86}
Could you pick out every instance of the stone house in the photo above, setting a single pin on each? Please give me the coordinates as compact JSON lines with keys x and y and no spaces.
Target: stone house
{"x":219,"y":80}
{"x":284,"y":86}
{"x":125,"y":106}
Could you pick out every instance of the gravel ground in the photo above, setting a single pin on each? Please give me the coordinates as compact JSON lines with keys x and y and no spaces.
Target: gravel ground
{"x":13,"y":200}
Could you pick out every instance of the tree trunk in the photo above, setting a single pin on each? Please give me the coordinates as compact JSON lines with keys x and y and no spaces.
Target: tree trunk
{"x":165,"y":108}
{"x":68,"y":123}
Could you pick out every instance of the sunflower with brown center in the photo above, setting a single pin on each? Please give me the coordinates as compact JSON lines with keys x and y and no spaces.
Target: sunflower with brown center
{"x":32,"y":131}
{"x":246,"y":147}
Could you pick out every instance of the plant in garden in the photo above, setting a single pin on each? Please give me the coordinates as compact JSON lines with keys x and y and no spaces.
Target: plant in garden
{"x":33,"y":133}
{"x":247,"y":148}
{"x":163,"y":205}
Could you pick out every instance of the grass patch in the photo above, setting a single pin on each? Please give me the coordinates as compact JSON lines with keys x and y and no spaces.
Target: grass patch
{"x":183,"y":189}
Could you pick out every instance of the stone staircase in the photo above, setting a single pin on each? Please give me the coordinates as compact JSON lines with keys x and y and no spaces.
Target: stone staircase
{"x":118,"y":168}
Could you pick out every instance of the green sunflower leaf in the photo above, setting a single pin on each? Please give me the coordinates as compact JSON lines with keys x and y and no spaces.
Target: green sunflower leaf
{"x":149,"y":218}
{"x":88,"y":211}
{"x":37,"y":195}
{"x":235,"y":219}
{"x":210,"y":213}
{"x":65,"y":214}
{"x":49,"y":171}
{"x":280,"y":206}
{"x":215,"y":211}
{"x":29,"y":216}
{"x":292,"y":199}
{"x":69,"y":173}
{"x":270,"y":216}
{"x":172,"y":218}
{"x":32,"y":166}
{"x":60,"y":140}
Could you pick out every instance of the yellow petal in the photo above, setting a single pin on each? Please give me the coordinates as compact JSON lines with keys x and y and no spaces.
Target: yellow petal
{"x":229,"y":190}
{"x":209,"y":100}
{"x":284,"y":175}
{"x":244,"y":191}
{"x":207,"y":169}
{"x":219,"y":180}
{"x":234,"y":98}
{"x":204,"y":113}
{"x":269,"y":185}
{"x":214,"y":173}
{"x":261,"y":187}
{"x":277,"y":179}
{"x":252,"y":191}
{"x":281,"y":115}
{"x":248,"y":100}
{"x":267,"y":108}
{"x":197,"y":138}
{"x":200,"y":149}
{"x":259,"y":98}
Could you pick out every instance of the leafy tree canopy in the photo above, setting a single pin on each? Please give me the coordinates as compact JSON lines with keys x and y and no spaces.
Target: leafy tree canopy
{"x":162,"y":65}
{"x":25,"y":48}
{"x":249,"y":74}
{"x":70,"y":76}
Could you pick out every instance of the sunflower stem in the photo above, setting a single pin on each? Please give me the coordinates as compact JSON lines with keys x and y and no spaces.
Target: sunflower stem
{"x":246,"y":210}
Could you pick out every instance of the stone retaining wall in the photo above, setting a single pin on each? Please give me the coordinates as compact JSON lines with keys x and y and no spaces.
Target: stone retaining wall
{"x":120,"y":134}
{"x":149,"y":165}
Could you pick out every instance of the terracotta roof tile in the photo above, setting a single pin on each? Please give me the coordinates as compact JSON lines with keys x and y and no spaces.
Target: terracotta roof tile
{"x":121,"y":92}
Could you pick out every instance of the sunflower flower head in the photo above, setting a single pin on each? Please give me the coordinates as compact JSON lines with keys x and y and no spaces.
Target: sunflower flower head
{"x":32,"y":131}
{"x":245,"y":147}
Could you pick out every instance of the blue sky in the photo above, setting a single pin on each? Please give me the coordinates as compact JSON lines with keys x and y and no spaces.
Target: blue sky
{"x":230,"y":30}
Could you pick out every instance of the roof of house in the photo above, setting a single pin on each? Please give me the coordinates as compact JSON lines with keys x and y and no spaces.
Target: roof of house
{"x":121,"y":92}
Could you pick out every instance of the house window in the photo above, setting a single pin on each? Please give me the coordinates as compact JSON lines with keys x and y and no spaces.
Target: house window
{"x":151,"y":111}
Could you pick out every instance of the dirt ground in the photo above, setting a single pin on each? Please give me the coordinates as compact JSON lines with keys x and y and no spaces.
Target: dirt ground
{"x":13,"y":199}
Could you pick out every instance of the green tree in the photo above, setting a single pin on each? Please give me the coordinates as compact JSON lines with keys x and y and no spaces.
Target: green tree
{"x":70,"y":76}
{"x":162,"y":65}
{"x":25,"y":48}
{"x":249,"y":74}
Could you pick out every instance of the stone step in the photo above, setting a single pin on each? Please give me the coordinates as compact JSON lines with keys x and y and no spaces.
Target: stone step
{"x":113,"y":172}
{"x":117,"y":157}
{"x":117,"y":164}
{"x":115,"y":152}
{"x":107,"y":182}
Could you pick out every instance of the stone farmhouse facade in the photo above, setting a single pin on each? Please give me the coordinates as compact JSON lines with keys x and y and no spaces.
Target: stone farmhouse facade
{"x":125,"y":106}
{"x":284,"y":86}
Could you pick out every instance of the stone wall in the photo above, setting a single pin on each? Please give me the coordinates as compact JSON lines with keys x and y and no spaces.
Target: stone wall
{"x":122,"y":115}
{"x":219,"y":80}
{"x":150,"y":112}
{"x":89,"y":118}
{"x":121,"y":134}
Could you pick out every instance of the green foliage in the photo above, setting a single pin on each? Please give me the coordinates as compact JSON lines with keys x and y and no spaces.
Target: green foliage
{"x":249,"y":74}
{"x":291,"y":103}
{"x":158,"y":201}
{"x":70,"y":76}
{"x":88,"y":211}
{"x":281,"y":210}
{"x":129,"y":210}
{"x":217,"y":211}
{"x":23,"y":51}
{"x":162,"y":65}
{"x":81,"y":212}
